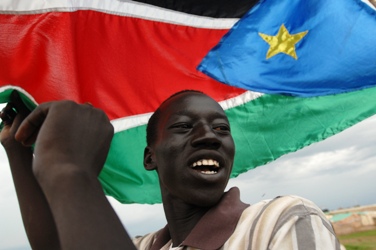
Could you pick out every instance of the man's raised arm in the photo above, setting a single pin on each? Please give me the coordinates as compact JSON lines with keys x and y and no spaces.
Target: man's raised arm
{"x":71,"y":146}
{"x":36,"y":214}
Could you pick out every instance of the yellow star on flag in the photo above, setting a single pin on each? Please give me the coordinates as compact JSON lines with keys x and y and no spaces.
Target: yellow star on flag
{"x":283,"y":42}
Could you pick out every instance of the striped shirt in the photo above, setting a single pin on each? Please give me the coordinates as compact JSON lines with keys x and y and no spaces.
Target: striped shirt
{"x":286,"y":222}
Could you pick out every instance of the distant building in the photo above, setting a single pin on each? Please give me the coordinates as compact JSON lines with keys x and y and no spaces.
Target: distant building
{"x":354,"y":219}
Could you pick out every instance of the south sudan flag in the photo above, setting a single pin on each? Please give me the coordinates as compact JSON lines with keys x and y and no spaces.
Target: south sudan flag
{"x":126,"y":57}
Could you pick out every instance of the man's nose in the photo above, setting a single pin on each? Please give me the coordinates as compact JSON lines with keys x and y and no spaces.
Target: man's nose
{"x":205,"y":136}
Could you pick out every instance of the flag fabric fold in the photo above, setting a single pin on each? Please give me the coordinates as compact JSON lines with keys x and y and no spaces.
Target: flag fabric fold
{"x":126,"y":57}
{"x":298,"y":47}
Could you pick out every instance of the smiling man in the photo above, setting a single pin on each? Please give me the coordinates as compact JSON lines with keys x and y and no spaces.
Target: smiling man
{"x":191,"y":147}
{"x":189,"y":144}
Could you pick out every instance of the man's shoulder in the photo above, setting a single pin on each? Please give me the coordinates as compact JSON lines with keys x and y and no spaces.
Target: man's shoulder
{"x":283,"y":204}
{"x":280,"y":209}
{"x":282,"y":221}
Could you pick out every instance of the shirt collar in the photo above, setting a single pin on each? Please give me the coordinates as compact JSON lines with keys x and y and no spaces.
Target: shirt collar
{"x":214,"y":228}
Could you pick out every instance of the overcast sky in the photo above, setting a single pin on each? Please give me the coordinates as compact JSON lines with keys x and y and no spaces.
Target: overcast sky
{"x":336,"y":173}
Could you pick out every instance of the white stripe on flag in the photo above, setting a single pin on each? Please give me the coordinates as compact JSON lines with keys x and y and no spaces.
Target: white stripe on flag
{"x":139,"y":120}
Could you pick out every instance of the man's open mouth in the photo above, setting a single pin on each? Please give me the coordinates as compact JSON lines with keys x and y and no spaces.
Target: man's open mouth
{"x":206,"y":166}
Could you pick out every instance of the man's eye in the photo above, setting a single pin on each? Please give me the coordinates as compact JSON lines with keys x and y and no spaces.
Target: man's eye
{"x":222,"y":128}
{"x":182,"y":125}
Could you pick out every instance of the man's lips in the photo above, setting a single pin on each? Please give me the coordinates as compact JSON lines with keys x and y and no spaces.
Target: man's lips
{"x":206,"y":166}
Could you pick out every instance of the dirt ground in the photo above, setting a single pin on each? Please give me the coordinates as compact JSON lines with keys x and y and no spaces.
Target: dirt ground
{"x":359,"y":241}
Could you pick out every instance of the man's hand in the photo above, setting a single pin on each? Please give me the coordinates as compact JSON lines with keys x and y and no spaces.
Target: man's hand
{"x":67,"y":134}
{"x":12,"y":116}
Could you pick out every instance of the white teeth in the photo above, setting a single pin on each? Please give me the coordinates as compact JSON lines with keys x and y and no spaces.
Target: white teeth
{"x":208,"y":172}
{"x":206,"y":162}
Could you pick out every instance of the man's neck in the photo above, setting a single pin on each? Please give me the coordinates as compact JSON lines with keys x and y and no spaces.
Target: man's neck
{"x":181,"y":218}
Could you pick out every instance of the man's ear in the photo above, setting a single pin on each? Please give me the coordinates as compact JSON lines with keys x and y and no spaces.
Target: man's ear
{"x":149,"y":163}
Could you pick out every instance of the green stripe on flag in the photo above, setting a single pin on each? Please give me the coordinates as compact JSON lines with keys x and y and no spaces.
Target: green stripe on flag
{"x":273,"y":125}
{"x":129,"y":182}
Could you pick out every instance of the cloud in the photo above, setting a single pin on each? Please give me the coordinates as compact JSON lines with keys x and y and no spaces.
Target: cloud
{"x":338,"y":172}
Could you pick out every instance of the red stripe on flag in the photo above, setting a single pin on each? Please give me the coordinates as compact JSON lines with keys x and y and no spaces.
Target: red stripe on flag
{"x":123,"y":65}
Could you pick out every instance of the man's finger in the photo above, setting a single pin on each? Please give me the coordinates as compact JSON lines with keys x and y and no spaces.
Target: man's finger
{"x":12,"y":109}
{"x":18,"y":104}
{"x":28,"y":130}
{"x":8,"y":114}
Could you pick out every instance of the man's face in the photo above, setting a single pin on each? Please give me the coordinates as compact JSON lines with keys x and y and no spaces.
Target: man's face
{"x":194,"y":150}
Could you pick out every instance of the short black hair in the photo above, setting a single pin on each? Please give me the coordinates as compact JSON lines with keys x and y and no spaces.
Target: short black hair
{"x":151,"y":128}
